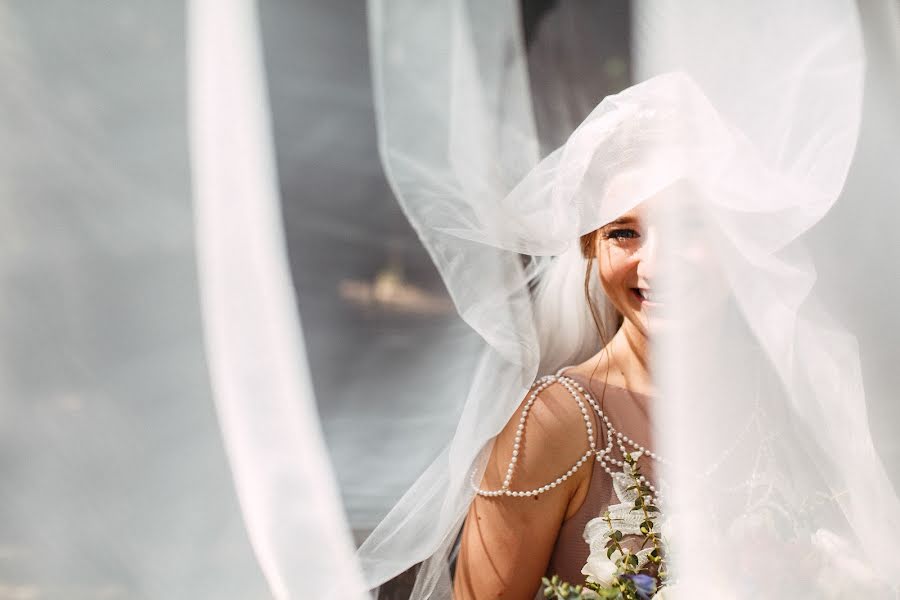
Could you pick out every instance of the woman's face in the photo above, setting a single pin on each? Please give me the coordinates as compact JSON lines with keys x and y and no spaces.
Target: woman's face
{"x":626,"y":252}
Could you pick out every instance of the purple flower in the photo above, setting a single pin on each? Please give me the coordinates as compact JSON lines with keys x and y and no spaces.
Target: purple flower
{"x":644,"y":584}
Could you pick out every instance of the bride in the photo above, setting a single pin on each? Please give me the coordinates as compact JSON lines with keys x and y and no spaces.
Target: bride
{"x":763,"y":130}
{"x":554,"y":443}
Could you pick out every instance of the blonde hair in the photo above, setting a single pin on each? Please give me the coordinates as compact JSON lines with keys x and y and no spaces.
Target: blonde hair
{"x":573,"y":317}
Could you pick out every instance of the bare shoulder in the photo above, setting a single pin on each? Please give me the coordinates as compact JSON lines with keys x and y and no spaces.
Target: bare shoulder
{"x":508,"y":539}
{"x":546,"y":437}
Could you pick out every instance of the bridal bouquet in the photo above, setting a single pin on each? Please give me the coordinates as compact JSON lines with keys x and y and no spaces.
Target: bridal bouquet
{"x":615,"y":569}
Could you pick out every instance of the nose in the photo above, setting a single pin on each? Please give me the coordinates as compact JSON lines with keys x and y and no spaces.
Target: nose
{"x":646,"y":255}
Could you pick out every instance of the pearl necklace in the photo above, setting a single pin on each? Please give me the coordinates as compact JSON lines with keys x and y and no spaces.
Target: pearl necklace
{"x":602,"y":456}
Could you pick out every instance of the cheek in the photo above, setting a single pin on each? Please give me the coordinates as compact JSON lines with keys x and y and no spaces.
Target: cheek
{"x":614,"y":268}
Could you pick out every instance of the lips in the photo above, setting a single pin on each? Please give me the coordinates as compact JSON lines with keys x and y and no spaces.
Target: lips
{"x":646,"y":295}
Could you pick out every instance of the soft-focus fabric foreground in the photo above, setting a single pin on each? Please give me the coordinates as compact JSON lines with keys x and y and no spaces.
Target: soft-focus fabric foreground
{"x":160,"y":433}
{"x":146,"y":294}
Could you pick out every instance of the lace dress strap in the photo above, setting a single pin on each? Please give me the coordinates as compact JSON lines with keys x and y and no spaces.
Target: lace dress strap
{"x":579,"y":395}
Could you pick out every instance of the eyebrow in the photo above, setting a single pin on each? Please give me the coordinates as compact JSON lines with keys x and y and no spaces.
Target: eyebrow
{"x":620,"y":221}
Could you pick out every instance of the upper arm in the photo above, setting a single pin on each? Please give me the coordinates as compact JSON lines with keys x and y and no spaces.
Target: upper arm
{"x":507,"y":541}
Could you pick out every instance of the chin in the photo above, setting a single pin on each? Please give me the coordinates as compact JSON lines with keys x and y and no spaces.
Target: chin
{"x":654,"y":321}
{"x":659,"y":326}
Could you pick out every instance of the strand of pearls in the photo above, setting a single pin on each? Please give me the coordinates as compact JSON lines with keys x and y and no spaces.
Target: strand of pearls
{"x":539,"y":386}
{"x":603,"y":456}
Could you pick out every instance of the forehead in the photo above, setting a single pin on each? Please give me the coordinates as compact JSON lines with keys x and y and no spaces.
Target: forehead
{"x":634,"y":215}
{"x":667,"y":205}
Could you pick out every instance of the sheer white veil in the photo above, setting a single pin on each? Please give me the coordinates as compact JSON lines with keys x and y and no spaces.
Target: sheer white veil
{"x":742,"y":128}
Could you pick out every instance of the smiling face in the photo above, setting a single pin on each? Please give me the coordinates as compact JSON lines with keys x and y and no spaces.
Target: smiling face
{"x":626,"y":254}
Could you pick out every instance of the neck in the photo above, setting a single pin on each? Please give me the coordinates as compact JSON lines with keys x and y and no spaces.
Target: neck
{"x":628,"y":356}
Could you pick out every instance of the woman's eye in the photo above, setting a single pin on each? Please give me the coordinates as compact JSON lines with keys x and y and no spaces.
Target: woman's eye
{"x":618,"y":234}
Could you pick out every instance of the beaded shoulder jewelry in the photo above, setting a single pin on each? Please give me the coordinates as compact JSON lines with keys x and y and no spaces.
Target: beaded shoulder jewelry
{"x":603,"y":455}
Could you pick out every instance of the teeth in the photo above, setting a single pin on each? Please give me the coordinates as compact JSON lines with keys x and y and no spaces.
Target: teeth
{"x":650,"y":296}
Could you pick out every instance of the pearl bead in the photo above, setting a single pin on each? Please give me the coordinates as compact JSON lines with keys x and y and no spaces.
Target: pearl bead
{"x":602,"y":456}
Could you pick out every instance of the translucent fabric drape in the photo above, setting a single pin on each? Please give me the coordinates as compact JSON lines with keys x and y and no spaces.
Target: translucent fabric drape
{"x":254,"y":342}
{"x":115,"y":483}
{"x":739,"y":136}
{"x":765,"y":409}
{"x":137,"y":177}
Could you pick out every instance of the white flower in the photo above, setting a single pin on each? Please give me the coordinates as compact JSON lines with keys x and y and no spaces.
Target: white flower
{"x":600,"y":569}
{"x":594,"y":535}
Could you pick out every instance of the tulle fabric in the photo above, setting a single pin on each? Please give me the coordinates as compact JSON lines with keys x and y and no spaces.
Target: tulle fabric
{"x":153,"y":445}
{"x":115,"y":483}
{"x":254,"y":340}
{"x":739,"y":138}
{"x":762,"y":385}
